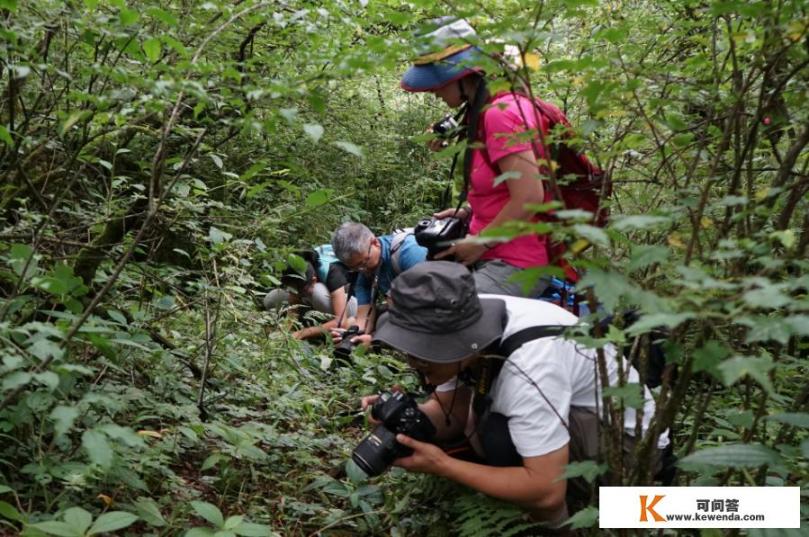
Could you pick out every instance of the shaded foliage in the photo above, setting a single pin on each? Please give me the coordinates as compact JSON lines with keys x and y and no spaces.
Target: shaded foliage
{"x":160,"y":160}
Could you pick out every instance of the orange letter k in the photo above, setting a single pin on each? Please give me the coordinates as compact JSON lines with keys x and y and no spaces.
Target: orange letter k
{"x":650,"y":508}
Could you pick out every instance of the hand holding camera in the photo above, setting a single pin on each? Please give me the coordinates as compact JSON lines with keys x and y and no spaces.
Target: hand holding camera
{"x":347,"y":342}
{"x":398,"y":413}
{"x":438,"y":234}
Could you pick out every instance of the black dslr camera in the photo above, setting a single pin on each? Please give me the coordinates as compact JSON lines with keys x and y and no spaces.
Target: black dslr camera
{"x":399,"y":413}
{"x":445,"y":127}
{"x":437,"y":235}
{"x":343,"y":349}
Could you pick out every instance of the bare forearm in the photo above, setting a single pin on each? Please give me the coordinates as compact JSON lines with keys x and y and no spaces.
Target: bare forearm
{"x":515,"y":484}
{"x":315,"y":331}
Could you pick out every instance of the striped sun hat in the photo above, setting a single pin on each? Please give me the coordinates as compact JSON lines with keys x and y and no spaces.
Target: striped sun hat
{"x":446,"y":56}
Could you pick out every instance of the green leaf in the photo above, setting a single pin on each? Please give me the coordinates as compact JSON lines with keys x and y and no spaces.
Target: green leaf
{"x":4,"y":489}
{"x":233,"y":521}
{"x":98,"y":449}
{"x":112,"y":521}
{"x":19,"y":255}
{"x":314,"y":131}
{"x":707,"y":357}
{"x":199,"y":532}
{"x":248,"y":529}
{"x":45,"y":348}
{"x":655,"y":320}
{"x":318,"y":198}
{"x":767,"y":297}
{"x":63,"y":418}
{"x":149,"y":512}
{"x":8,"y":511}
{"x":732,"y":456}
{"x":128,"y":16}
{"x":217,"y":236}
{"x":645,"y":255}
{"x":16,"y":380}
{"x":639,"y":221}
{"x":630,"y":394}
{"x":796,"y":419}
{"x":589,"y":470}
{"x":741,"y":366}
{"x":78,"y":519}
{"x":71,"y":120}
{"x":163,"y":16}
{"x":506,"y":176}
{"x":593,"y":234}
{"x":49,"y":379}
{"x":209,"y":512}
{"x":586,"y":518}
{"x":211,"y":461}
{"x":348,"y":147}
{"x":10,"y":5}
{"x":153,"y":49}
{"x":57,"y":528}
{"x":5,"y":136}
{"x":224,"y":533}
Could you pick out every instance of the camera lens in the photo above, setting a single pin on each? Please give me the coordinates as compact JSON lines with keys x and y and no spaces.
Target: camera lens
{"x":376,"y":452}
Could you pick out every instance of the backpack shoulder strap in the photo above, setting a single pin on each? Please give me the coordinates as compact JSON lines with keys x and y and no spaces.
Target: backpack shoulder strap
{"x":396,"y":243}
{"x":520,"y":338}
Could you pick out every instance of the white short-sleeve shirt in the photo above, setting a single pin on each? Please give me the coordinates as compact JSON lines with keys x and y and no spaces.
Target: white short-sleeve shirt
{"x":562,"y":374}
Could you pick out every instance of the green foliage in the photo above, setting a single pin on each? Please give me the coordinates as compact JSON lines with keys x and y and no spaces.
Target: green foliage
{"x":162,"y":160}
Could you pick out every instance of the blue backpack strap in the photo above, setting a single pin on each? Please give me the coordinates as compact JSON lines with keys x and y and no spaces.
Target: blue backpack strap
{"x":396,"y":243}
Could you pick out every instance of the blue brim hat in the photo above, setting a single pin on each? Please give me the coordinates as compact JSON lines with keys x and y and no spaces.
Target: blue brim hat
{"x":443,"y":70}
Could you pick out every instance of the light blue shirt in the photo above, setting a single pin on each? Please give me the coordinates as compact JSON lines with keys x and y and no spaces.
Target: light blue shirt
{"x":409,"y":254}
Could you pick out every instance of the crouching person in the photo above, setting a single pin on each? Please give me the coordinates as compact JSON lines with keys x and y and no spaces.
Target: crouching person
{"x":527,"y":412}
{"x":322,"y":286}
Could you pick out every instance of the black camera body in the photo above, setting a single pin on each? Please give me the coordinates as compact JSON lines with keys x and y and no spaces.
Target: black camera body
{"x":343,"y":350}
{"x":437,"y":235}
{"x":399,"y":413}
{"x":446,"y":127}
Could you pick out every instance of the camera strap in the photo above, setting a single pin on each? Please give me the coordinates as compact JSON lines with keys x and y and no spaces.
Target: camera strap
{"x":446,"y":197}
{"x":500,"y":353}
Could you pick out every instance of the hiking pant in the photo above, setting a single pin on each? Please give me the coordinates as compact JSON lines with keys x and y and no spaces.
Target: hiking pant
{"x":319,"y":300}
{"x":492,"y":276}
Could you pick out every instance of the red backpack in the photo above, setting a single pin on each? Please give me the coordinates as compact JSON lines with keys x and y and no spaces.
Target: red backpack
{"x":586,"y":191}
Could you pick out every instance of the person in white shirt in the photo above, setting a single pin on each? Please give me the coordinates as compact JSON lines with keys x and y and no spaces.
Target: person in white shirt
{"x":539,"y":411}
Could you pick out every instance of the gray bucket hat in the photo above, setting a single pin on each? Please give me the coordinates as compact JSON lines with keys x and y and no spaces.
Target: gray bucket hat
{"x":436,"y":315}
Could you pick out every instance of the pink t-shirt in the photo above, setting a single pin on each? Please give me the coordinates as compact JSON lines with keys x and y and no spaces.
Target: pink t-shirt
{"x":501,"y":121}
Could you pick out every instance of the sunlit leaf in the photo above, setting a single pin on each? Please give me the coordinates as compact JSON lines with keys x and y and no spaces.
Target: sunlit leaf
{"x":209,"y":512}
{"x":348,"y":147}
{"x":314,"y":131}
{"x":97,"y":447}
{"x":112,"y":521}
{"x":732,"y":456}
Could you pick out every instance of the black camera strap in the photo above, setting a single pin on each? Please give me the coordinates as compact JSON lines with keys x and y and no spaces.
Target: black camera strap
{"x":473,"y":113}
{"x":446,"y":197}
{"x":498,"y":357}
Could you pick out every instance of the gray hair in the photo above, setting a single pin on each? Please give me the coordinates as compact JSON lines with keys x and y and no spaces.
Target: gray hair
{"x":350,"y":239}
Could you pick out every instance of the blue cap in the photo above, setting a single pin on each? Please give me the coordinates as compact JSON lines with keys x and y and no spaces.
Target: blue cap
{"x":431,"y":76}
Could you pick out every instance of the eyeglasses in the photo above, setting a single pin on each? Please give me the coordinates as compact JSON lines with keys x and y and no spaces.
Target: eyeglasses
{"x":362,"y":267}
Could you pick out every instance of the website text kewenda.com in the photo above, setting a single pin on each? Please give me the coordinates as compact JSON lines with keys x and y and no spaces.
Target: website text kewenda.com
{"x":725,"y":517}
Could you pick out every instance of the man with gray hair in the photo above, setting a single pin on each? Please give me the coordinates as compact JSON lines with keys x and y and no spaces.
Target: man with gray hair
{"x":378,"y":260}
